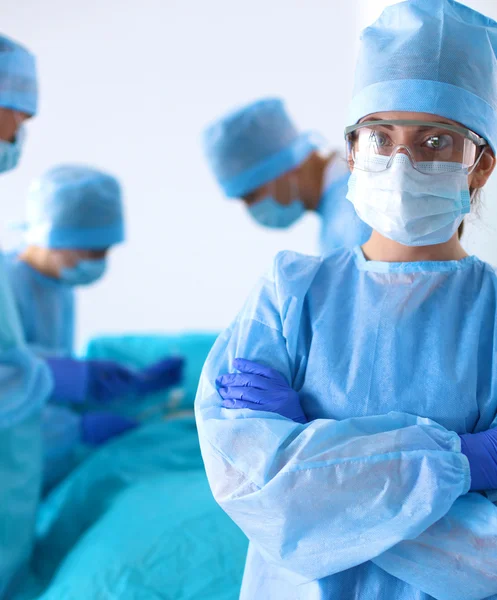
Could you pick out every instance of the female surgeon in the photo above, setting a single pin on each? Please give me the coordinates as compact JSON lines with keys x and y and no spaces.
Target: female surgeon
{"x":375,"y":476}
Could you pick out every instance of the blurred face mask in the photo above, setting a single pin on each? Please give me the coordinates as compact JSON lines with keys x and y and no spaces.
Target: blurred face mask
{"x":410,"y":207}
{"x":10,"y":152}
{"x":270,"y":213}
{"x":84,"y":273}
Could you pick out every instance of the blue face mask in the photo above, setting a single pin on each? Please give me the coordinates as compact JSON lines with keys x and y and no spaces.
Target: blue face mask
{"x":10,"y":152}
{"x":84,"y":273}
{"x":270,"y":213}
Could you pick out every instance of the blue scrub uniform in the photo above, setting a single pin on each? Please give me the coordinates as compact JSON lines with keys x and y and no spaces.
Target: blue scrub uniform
{"x":46,"y":307}
{"x":25,"y":384}
{"x":370,"y":498}
{"x":46,"y":310}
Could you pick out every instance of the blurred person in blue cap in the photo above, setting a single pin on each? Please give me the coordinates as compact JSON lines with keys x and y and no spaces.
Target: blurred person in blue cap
{"x":74,"y":218}
{"x":25,"y":381}
{"x":259,"y":156}
{"x":18,"y":99}
{"x":37,"y":441}
{"x":348,"y":416}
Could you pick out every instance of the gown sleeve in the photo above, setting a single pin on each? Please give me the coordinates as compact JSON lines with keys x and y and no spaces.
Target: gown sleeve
{"x":456,"y":558}
{"x":323,"y":497}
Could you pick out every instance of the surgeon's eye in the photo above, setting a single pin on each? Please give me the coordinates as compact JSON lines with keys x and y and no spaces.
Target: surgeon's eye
{"x":379,"y":139}
{"x":438,"y":142}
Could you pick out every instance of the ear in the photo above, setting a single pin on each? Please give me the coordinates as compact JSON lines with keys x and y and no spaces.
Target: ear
{"x":484,"y":169}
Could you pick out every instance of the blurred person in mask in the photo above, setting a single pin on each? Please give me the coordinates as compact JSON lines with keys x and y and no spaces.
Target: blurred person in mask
{"x":74,"y":218}
{"x":25,"y":381}
{"x":258,"y":156}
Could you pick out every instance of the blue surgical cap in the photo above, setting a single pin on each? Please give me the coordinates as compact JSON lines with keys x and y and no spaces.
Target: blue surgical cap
{"x":254,"y":145}
{"x":433,"y":56}
{"x":18,"y":84}
{"x":75,"y":207}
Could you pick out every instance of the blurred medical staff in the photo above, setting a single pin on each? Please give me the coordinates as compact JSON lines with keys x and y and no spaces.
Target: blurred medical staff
{"x":74,"y":218}
{"x":258,"y":155}
{"x":25,"y":382}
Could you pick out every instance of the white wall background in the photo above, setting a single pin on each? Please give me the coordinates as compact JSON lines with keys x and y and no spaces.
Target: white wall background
{"x":128,"y":86}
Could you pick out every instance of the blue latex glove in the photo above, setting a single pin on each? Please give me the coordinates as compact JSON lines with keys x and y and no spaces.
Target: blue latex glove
{"x":103,"y":381}
{"x":259,"y":388}
{"x":159,"y":376}
{"x":481,"y":452}
{"x":78,"y":381}
{"x":99,"y":427}
{"x":108,"y":381}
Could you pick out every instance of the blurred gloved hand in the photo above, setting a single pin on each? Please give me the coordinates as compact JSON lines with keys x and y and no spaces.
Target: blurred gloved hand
{"x":78,"y":381}
{"x":159,"y":376}
{"x":99,"y":427}
{"x":259,"y":388}
{"x":481,"y":452}
{"x":108,"y":380}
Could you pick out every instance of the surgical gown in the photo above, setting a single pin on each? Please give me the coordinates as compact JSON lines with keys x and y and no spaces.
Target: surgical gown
{"x":46,"y":310}
{"x":46,"y":307}
{"x":25,"y":384}
{"x":340,"y":225}
{"x":370,"y":498}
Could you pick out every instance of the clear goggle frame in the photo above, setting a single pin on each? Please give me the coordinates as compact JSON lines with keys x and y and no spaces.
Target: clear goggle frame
{"x":373,"y":145}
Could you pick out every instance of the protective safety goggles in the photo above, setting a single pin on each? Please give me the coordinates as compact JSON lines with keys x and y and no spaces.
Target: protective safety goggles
{"x":372,"y":145}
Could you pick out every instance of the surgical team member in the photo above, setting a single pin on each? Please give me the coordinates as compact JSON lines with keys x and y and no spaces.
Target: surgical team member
{"x":74,"y":218}
{"x":25,"y":381}
{"x":259,"y":156}
{"x":374,"y":474}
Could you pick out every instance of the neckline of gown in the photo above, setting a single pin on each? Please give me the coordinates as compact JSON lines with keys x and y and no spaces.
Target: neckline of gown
{"x":412,"y":267}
